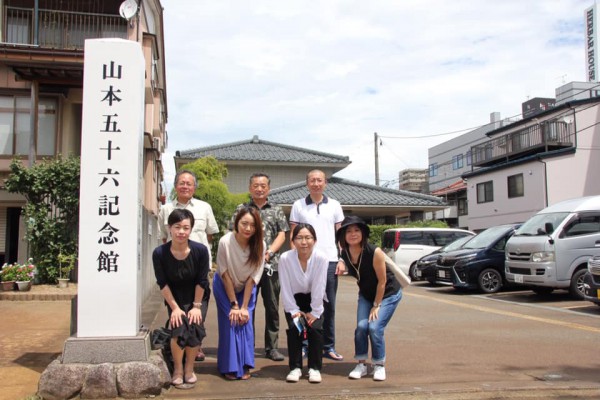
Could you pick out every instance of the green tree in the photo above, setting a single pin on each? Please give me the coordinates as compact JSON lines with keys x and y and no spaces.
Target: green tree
{"x":51,"y":213}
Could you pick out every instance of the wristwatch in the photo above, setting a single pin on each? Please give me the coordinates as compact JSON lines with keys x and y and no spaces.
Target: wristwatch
{"x":271,"y":254}
{"x":376,"y":304}
{"x":234,"y":304}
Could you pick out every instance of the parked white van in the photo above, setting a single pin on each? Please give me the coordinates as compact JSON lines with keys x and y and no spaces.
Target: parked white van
{"x":551,"y":250}
{"x":406,"y":245}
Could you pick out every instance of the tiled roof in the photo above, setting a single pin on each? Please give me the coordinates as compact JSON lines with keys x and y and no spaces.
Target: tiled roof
{"x":453,"y":188}
{"x":351,"y":193}
{"x":262,"y":150}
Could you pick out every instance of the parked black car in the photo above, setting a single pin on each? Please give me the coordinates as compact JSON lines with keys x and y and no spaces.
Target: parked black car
{"x":591,"y":281}
{"x":480,"y":263}
{"x":426,"y":265}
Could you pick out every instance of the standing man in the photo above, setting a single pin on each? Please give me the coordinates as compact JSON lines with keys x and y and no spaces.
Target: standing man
{"x":205,"y":224}
{"x":275,"y":226}
{"x":325,"y":215}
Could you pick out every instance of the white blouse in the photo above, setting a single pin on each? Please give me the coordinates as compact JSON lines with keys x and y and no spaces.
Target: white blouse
{"x":293,"y":280}
{"x":232,"y":258}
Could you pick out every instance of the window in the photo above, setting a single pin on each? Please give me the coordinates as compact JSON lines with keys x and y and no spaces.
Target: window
{"x":457,"y":161}
{"x":462,"y":207}
{"x":15,"y":125}
{"x":515,"y":186}
{"x":469,"y":157}
{"x":485,"y":192}
{"x":433,"y":169}
{"x":582,"y":225}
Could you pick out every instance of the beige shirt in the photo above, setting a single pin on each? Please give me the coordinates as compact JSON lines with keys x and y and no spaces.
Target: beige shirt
{"x":232,"y":258}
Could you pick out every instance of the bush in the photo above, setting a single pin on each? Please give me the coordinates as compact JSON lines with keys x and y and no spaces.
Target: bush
{"x":51,"y":214}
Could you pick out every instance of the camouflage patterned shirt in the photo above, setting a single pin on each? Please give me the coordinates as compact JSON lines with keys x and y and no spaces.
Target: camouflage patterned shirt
{"x":273,"y":220}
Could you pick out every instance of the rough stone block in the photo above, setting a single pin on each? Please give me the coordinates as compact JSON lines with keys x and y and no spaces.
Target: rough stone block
{"x":61,"y":381}
{"x":138,"y":379}
{"x":156,"y":358}
{"x":100,"y":382}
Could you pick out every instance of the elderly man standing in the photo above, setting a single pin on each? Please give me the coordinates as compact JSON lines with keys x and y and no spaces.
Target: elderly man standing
{"x":325,"y":215}
{"x":205,"y":224}
{"x":275,"y":226}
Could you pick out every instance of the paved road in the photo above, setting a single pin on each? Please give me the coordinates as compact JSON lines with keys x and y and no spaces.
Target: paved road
{"x":442,"y":344}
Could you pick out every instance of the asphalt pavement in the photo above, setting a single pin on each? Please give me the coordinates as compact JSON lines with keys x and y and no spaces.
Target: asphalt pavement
{"x":440,"y":345}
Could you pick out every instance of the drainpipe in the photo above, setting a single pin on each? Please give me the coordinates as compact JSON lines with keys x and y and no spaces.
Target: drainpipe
{"x":33,"y":121}
{"x":545,"y":181}
{"x":36,"y":33}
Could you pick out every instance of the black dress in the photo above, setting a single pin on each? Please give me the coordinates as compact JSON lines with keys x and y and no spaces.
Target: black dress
{"x":182,"y":276}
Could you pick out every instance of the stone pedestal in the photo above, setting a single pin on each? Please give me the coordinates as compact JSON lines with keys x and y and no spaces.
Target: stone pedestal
{"x":97,"y":350}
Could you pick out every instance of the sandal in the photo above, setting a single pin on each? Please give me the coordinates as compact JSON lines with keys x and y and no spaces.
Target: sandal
{"x":191,"y":378}
{"x":230,"y":377}
{"x":177,"y":380}
{"x":246,"y":376}
{"x":334,"y":355}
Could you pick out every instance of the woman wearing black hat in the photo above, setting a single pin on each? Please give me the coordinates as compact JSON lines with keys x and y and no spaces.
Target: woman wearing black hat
{"x":379,"y":293}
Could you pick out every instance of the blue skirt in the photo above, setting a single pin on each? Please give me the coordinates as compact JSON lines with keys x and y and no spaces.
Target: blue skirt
{"x":236,"y":343}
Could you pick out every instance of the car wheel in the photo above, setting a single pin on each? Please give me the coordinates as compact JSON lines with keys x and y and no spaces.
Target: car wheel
{"x":542,"y":290}
{"x":576,"y":288}
{"x":490,"y":281}
{"x":412,"y":271}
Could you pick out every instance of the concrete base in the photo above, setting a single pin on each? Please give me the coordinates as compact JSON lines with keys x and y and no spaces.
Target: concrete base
{"x":97,"y":350}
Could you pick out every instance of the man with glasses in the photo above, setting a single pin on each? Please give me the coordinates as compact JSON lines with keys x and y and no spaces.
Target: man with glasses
{"x":325,"y":215}
{"x":205,"y":225}
{"x":275,"y":226}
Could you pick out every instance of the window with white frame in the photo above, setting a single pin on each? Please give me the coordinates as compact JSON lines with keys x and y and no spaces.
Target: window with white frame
{"x":15,"y":125}
{"x":515,"y":186}
{"x":485,"y":192}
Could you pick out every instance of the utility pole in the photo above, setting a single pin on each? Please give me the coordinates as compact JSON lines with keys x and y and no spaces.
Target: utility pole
{"x":376,"y":141}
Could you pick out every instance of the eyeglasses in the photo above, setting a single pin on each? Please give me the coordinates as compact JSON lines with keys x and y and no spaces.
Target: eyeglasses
{"x":304,"y":238}
{"x":246,"y":225}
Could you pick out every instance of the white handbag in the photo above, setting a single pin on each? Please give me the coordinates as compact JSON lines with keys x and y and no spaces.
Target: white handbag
{"x":398,"y":273}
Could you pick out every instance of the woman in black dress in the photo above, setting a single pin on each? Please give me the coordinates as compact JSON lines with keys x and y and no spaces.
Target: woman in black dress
{"x":181,"y":269}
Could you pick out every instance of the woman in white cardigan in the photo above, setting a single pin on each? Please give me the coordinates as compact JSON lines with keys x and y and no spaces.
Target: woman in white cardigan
{"x":303,"y":277}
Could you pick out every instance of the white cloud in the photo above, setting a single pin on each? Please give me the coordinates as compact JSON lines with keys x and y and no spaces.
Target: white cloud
{"x":327,"y":75}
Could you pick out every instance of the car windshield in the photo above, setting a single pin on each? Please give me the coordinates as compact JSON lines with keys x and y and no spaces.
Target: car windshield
{"x":457,"y":244}
{"x":486,"y":238}
{"x":541,"y":224}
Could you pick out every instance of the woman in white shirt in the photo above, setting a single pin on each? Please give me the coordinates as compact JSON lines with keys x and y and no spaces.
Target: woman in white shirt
{"x":303,"y":277}
{"x":240,"y":260}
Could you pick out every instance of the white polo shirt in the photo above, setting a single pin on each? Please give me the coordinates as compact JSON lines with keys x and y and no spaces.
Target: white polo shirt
{"x":323,"y":217}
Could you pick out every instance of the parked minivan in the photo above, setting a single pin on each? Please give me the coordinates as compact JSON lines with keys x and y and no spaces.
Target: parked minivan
{"x":406,"y":245}
{"x":551,"y":250}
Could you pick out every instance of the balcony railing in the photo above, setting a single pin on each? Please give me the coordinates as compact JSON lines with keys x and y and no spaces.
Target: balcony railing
{"x":533,"y":139}
{"x":59,"y":29}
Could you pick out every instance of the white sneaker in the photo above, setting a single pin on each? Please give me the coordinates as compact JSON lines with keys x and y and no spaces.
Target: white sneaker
{"x":294,"y":375}
{"x":358,"y":372}
{"x":378,"y":373}
{"x":314,"y":376}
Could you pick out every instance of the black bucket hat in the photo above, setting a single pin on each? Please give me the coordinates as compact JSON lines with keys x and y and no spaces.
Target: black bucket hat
{"x":353,"y":220}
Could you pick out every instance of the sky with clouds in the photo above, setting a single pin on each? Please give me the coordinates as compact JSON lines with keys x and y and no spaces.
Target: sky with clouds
{"x":326,"y":75}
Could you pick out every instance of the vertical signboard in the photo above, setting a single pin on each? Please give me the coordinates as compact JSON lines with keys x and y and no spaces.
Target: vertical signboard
{"x":591,"y":43}
{"x":110,"y":199}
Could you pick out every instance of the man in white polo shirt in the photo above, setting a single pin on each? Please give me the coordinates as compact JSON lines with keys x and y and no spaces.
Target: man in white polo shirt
{"x":325,"y":215}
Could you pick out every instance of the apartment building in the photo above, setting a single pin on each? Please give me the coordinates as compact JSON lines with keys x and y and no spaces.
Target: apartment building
{"x":41,"y":75}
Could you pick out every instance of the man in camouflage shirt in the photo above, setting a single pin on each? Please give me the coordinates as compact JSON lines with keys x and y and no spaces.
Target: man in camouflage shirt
{"x":275,"y":226}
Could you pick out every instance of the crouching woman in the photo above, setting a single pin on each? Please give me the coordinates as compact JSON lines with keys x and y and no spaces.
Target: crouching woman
{"x":303,"y":277}
{"x":379,"y":293}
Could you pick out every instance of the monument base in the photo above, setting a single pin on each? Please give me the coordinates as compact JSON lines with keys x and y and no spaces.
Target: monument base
{"x":98,"y":350}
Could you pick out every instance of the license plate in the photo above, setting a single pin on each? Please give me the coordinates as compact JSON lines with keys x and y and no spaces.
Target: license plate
{"x":518,"y":278}
{"x":442,"y":274}
{"x":419,"y":273}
